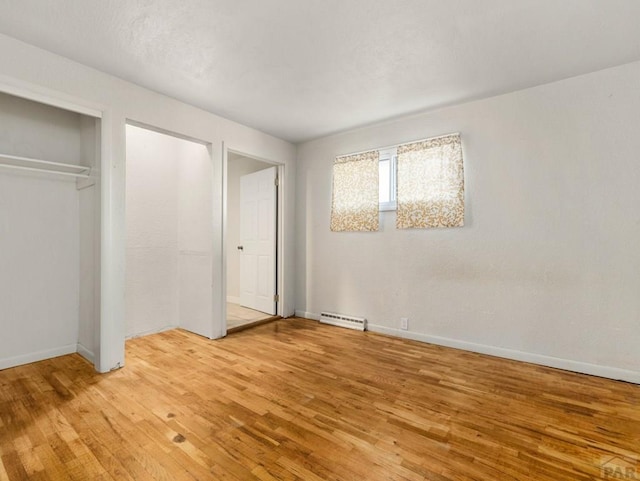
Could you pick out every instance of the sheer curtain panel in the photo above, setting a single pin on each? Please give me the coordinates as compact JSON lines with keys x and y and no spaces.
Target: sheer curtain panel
{"x":354,"y":206}
{"x":430,"y":183}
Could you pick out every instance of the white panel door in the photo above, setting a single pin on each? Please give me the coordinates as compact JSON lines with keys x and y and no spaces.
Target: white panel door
{"x":258,"y":197}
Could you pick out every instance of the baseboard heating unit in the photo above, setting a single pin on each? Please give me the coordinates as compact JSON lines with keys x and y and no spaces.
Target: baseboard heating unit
{"x":340,"y":320}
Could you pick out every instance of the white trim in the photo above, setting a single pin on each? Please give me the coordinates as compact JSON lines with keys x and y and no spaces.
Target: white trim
{"x":308,"y":315}
{"x":390,"y":155}
{"x":84,"y":352}
{"x":280,"y":244}
{"x":233,"y":299}
{"x":19,"y":88}
{"x":37,"y":356}
{"x":222,"y":309}
{"x":218,"y":242}
{"x":280,"y":240}
{"x":609,"y":372}
{"x":111,"y":353}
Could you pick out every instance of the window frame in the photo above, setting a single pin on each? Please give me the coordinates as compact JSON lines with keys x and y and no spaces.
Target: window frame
{"x":391,"y":155}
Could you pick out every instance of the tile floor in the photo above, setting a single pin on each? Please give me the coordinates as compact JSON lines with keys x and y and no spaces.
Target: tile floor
{"x":239,"y":316}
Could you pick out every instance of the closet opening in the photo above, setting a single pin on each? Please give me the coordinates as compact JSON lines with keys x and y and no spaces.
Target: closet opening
{"x":252,"y":236}
{"x":169,"y":233}
{"x":49,"y":231}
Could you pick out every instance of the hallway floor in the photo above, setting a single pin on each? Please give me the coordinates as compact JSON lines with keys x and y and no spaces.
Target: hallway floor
{"x":238,"y":315}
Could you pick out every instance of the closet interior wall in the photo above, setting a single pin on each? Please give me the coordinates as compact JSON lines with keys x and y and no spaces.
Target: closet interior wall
{"x":49,"y":233}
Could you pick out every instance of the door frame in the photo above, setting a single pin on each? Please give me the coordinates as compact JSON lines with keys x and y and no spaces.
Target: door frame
{"x":279,"y":272}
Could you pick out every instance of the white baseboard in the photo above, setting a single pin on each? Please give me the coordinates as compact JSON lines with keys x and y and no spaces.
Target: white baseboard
{"x":308,"y":315}
{"x":37,"y":356}
{"x":540,"y":359}
{"x":86,"y":353}
{"x":549,"y":361}
{"x":233,"y":299}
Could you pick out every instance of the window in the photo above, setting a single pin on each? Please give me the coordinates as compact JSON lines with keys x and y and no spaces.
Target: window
{"x":387,"y":179}
{"x":422,"y":181}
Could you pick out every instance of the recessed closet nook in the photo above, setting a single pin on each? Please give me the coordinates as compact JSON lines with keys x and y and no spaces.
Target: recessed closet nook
{"x":49,"y":232}
{"x":169,"y":234}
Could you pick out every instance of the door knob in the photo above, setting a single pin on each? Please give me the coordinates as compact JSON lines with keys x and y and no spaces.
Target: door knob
{"x":240,"y":248}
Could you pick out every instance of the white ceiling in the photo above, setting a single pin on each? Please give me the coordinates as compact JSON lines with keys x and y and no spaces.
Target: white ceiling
{"x":301,"y":69}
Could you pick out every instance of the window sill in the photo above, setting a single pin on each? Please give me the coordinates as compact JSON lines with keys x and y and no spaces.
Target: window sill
{"x":387,"y":206}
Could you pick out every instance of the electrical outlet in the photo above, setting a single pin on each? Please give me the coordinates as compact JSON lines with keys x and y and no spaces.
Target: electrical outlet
{"x":404,"y":323}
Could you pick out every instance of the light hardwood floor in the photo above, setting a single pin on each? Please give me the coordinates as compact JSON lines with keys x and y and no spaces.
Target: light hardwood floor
{"x":296,"y":400}
{"x":238,"y":315}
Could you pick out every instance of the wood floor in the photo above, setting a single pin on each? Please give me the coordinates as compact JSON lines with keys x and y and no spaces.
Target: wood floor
{"x":238,"y":316}
{"x":296,"y":400}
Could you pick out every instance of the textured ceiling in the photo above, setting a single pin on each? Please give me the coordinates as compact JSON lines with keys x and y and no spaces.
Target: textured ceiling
{"x":301,"y":69}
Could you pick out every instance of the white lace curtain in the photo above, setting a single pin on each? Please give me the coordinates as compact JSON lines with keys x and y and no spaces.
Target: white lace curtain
{"x":430,"y":183}
{"x":354,"y":206}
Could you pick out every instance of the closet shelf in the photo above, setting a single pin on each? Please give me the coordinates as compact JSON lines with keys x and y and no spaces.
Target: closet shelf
{"x":46,"y":166}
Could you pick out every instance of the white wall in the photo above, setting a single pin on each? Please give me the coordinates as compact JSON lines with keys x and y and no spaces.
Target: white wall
{"x":39,"y":268}
{"x":169,"y":234}
{"x":34,"y":71}
{"x":89,"y":307}
{"x":31,"y":129}
{"x":237,"y":167}
{"x":546,"y":267}
{"x":152,"y":231}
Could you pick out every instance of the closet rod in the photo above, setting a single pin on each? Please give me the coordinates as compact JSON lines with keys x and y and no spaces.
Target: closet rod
{"x":81,"y":170}
{"x":48,"y":171}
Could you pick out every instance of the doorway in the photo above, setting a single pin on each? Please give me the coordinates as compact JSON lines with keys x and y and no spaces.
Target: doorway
{"x":252,"y":237}
{"x":169,"y":233}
